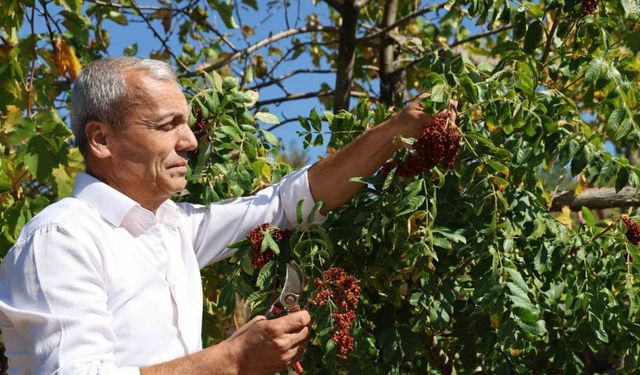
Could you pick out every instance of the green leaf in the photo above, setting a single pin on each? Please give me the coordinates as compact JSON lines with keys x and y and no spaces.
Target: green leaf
{"x":520,"y":24}
{"x":595,"y":70}
{"x":214,"y":80}
{"x":252,"y":3}
{"x":316,"y":120}
{"x":272,"y":139}
{"x":469,"y":89}
{"x":229,"y":83}
{"x":615,"y":120}
{"x":266,"y":272}
{"x":212,"y":101}
{"x":588,"y":217}
{"x":118,"y":17}
{"x":533,"y":37}
{"x":227,"y":299}
{"x":299,"y":211}
{"x":131,"y":49}
{"x":72,"y":5}
{"x":525,"y":80}
{"x":225,"y":10}
{"x":622,"y":178}
{"x":517,"y":279}
{"x":314,"y":211}
{"x":535,"y":329}
{"x":304,"y":122}
{"x":631,"y":8}
{"x":267,"y":118}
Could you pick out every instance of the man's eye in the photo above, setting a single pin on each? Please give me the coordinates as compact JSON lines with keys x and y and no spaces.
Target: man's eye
{"x":168,"y":126}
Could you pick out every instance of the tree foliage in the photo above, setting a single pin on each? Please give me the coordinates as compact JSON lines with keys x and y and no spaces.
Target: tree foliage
{"x":460,"y":271}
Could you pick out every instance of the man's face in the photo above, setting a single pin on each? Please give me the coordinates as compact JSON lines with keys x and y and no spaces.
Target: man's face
{"x":150,"y":151}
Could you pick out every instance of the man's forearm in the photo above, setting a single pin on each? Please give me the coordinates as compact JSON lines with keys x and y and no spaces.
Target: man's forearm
{"x":213,"y":360}
{"x":329,"y":178}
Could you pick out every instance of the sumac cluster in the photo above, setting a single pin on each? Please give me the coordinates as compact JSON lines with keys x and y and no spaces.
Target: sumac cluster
{"x":258,"y":257}
{"x":201,"y":122}
{"x":633,"y":230}
{"x":589,"y":6}
{"x":438,"y":146}
{"x":344,"y":291}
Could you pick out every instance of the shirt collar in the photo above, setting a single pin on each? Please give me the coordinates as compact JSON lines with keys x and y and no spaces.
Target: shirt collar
{"x":115,"y":206}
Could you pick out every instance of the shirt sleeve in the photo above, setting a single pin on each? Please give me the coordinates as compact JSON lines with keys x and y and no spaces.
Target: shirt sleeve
{"x":226,"y":222}
{"x":53,"y":302}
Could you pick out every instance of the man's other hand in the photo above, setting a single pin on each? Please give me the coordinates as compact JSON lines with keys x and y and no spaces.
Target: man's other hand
{"x":267,"y":346}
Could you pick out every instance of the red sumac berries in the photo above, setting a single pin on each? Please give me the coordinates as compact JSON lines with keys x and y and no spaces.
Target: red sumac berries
{"x":589,"y":6}
{"x":438,"y":146}
{"x":255,"y":237}
{"x":344,"y":291}
{"x":633,"y":230}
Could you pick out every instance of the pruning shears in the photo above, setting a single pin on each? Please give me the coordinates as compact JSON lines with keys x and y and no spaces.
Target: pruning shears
{"x":289,"y":299}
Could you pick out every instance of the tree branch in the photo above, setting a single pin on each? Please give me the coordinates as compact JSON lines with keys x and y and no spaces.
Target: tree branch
{"x":289,"y":75}
{"x":258,"y":45}
{"x":402,"y":20}
{"x":547,"y":48}
{"x":307,"y":96}
{"x":596,"y":198}
{"x":335,"y":5}
{"x":132,"y":6}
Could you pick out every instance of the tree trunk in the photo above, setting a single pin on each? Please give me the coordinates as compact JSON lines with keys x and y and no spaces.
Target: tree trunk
{"x":391,"y":83}
{"x":346,"y":55}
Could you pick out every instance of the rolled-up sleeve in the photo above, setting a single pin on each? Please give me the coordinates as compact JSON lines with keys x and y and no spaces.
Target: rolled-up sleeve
{"x":53,"y":307}
{"x":226,"y":222}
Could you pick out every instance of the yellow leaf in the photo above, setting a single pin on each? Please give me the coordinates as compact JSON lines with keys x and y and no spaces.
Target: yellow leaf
{"x":247,"y":30}
{"x":266,"y":171}
{"x":65,"y":59}
{"x":582,"y":185}
{"x":14,"y":116}
{"x":495,"y":320}
{"x":565,"y":216}
{"x":515,"y":352}
{"x":415,"y":221}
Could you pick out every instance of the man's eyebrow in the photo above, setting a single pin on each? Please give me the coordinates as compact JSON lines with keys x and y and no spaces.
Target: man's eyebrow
{"x":170,"y":115}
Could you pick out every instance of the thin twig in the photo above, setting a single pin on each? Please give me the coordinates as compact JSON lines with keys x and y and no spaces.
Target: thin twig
{"x":455,"y":44}
{"x":402,"y":20}
{"x":307,"y":96}
{"x":132,"y":6}
{"x":258,"y":45}
{"x":547,"y":48}
{"x":289,"y":75}
{"x":157,"y":35}
{"x":33,"y":63}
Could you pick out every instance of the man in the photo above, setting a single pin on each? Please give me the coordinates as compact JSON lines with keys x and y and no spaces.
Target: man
{"x":107,"y":281}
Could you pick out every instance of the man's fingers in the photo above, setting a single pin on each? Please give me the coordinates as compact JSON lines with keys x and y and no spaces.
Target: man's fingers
{"x":296,"y":321}
{"x":416,"y":103}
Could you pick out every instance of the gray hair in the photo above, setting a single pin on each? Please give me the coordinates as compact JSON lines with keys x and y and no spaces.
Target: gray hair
{"x":100,"y":92}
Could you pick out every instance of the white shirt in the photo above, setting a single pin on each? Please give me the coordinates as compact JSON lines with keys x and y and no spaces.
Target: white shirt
{"x":96,"y":284}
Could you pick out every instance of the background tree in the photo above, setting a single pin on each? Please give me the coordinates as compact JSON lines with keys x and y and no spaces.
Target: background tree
{"x":463,"y":270}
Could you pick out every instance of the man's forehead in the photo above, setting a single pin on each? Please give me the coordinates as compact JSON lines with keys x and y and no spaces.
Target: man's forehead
{"x":139,"y":79}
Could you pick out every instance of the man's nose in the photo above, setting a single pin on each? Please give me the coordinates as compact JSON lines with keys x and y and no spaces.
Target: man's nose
{"x":187,"y":141}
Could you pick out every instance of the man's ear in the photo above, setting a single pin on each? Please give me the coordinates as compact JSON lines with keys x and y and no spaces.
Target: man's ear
{"x":98,"y":136}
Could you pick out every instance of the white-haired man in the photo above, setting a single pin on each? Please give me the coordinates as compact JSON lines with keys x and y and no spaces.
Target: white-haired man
{"x":107,"y":281}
